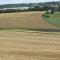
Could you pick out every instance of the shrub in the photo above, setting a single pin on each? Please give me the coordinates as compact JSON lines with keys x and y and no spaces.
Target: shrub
{"x":45,"y":15}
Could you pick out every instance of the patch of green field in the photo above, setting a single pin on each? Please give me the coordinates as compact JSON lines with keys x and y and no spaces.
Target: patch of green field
{"x":53,"y":18}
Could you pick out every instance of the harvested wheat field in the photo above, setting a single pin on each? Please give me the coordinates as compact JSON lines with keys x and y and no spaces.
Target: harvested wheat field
{"x":29,"y":45}
{"x":32,"y":20}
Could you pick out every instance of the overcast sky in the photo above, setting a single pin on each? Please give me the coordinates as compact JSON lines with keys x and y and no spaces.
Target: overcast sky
{"x":23,"y":1}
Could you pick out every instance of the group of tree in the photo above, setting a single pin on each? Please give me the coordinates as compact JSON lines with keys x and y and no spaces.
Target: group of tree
{"x":53,"y":6}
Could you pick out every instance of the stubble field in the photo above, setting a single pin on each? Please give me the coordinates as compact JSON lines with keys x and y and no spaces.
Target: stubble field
{"x":26,"y":44}
{"x":25,"y":20}
{"x":29,"y":45}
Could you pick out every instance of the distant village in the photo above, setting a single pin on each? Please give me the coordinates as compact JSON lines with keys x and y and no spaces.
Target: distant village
{"x":47,"y":6}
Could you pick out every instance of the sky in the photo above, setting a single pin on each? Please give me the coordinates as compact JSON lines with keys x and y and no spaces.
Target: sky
{"x":23,"y":1}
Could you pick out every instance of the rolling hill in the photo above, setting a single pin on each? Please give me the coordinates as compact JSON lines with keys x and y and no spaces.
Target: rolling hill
{"x":25,"y":20}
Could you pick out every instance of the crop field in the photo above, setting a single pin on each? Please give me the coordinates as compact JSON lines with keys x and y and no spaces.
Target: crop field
{"x":27,"y":20}
{"x":25,"y":44}
{"x":29,"y":45}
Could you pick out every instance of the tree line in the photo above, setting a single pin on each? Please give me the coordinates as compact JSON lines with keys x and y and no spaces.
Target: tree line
{"x":44,"y":7}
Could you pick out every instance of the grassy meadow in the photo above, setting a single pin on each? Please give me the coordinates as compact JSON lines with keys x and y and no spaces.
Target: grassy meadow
{"x":53,"y":19}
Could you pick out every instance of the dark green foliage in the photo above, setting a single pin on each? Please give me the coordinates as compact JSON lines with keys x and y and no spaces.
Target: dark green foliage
{"x":59,"y":8}
{"x":32,"y":7}
{"x":52,"y":10}
{"x":46,"y":15}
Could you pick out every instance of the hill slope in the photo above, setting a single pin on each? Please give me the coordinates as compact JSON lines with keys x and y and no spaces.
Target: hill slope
{"x":32,"y":20}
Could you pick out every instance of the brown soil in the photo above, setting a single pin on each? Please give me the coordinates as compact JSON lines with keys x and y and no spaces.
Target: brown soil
{"x":31,"y":20}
